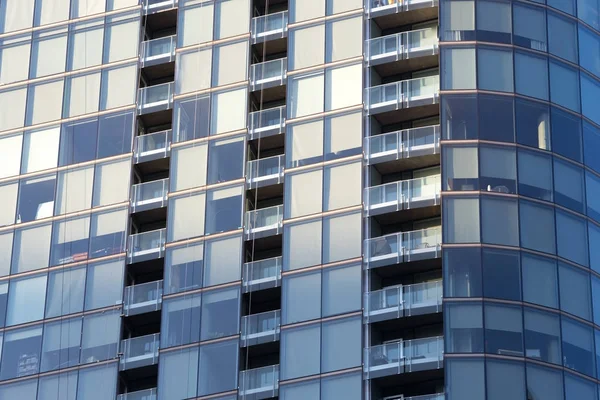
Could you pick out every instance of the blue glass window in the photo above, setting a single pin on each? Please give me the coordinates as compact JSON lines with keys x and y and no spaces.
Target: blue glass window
{"x":495,"y":66}
{"x":575,"y":295}
{"x":592,"y":187}
{"x":180,"y":321}
{"x":537,"y":227}
{"x":460,"y":116}
{"x":531,"y":75}
{"x":577,"y":388}
{"x":594,"y":237}
{"x":78,"y":142}
{"x":590,"y":93}
{"x":578,"y":347}
{"x":571,"y":238}
{"x":567,"y":6}
{"x":465,"y":379}
{"x":587,"y":11}
{"x":462,"y":269}
{"x":529,"y":25}
{"x":589,"y":49}
{"x":178,"y":374}
{"x":501,"y":274}
{"x":535,"y":175}
{"x":544,"y":383}
{"x":498,"y":374}
{"x":192,"y":118}
{"x":218,"y":370}
{"x":115,"y":134}
{"x":220,"y":313}
{"x":533,"y":127}
{"x":566,"y":134}
{"x":21,"y":346}
{"x":562,"y":36}
{"x":496,"y":118}
{"x":542,"y":336}
{"x":568,"y":185}
{"x":540,"y":282}
{"x":464,"y":328}
{"x":591,"y":144}
{"x":564,"y":89}
{"x":493,"y":21}
{"x":499,"y":221}
{"x":503,"y":329}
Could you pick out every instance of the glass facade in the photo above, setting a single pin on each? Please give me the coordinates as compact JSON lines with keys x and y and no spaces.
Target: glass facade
{"x":299,"y":199}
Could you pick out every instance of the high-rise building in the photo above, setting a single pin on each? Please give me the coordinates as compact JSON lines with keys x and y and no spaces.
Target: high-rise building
{"x":299,"y":199}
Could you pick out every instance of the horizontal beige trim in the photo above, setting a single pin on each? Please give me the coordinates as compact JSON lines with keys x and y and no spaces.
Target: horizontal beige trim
{"x":320,"y":215}
{"x":83,"y":71}
{"x":205,"y":238}
{"x":341,"y":63}
{"x":358,"y":11}
{"x":318,"y":376}
{"x":218,"y":395}
{"x":235,"y":85}
{"x":65,"y":168}
{"x":200,"y":46}
{"x":338,"y":161}
{"x":202,"y":189}
{"x":65,"y":120}
{"x":346,"y":263}
{"x":323,"y":114}
{"x":209,"y":138}
{"x":318,"y":321}
{"x":72,"y":21}
{"x":202,"y":290}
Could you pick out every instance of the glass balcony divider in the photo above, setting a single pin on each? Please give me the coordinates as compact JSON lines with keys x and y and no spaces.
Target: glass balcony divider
{"x":269,"y":26}
{"x":403,"y":45}
{"x":149,"y":195}
{"x":268,"y":74}
{"x":155,"y":98}
{"x":376,"y":8}
{"x":145,"y":297}
{"x":147,"y":245}
{"x":403,"y":195}
{"x":259,"y":383}
{"x":260,"y":328}
{"x":266,"y":122}
{"x":403,"y":247}
{"x":158,"y":50}
{"x":147,"y":394}
{"x":402,"y":94}
{"x":402,"y":144}
{"x":153,"y":145}
{"x":139,"y":351}
{"x":403,"y":301}
{"x":265,"y":171}
{"x":264,"y":222}
{"x":404,"y":356}
{"x":262,"y":274}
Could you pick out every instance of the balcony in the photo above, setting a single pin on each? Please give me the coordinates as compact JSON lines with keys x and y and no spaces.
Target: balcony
{"x":149,"y":195}
{"x":155,"y":98}
{"x":402,"y":46}
{"x":148,"y":394}
{"x":259,"y":383}
{"x":378,"y":8}
{"x":408,"y":143}
{"x":403,"y":301}
{"x":152,"y":146}
{"x":403,"y":247}
{"x":143,"y":298}
{"x":139,"y":352}
{"x":436,"y":396}
{"x":260,"y":328}
{"x":146,"y":246}
{"x":265,"y":171}
{"x":404,"y":356}
{"x":403,"y":94}
{"x":152,"y":6}
{"x":267,"y":122}
{"x":403,"y":195}
{"x":262,"y":274}
{"x":268,"y":74}
{"x":158,"y":51}
{"x":269,"y":27}
{"x":263,"y":222}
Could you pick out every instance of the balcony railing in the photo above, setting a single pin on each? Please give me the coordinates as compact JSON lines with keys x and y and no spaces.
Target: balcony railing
{"x":266,"y":122}
{"x":140,"y":351}
{"x":156,"y":98}
{"x":151,"y":6}
{"x":142,"y":298}
{"x":153,"y":145}
{"x":384,"y":7}
{"x":147,"y":245}
{"x":402,"y":94}
{"x":395,"y":196}
{"x":260,"y":328}
{"x":404,"y":356}
{"x":149,"y":194}
{"x":403,"y":144}
{"x":263,"y":382}
{"x":148,"y":394}
{"x":265,"y":171}
{"x":267,"y":74}
{"x":403,"y":301}
{"x":264,"y":221}
{"x":262,"y":274}
{"x":436,"y":396}
{"x":269,"y":26}
{"x":403,"y":45}
{"x":403,"y":247}
{"x":158,"y":50}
